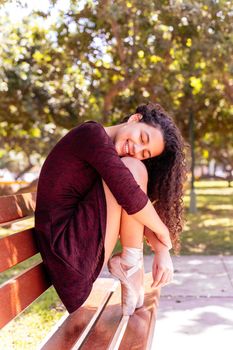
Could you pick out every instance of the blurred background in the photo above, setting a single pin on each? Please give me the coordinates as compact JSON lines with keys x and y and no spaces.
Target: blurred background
{"x":65,"y":62}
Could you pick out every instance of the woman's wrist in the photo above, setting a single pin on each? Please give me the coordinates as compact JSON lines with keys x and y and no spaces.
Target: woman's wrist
{"x":153,"y":241}
{"x":161,"y":250}
{"x":160,"y":247}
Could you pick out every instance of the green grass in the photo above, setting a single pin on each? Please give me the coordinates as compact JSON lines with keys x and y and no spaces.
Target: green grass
{"x":210,"y":231}
{"x":29,"y":329}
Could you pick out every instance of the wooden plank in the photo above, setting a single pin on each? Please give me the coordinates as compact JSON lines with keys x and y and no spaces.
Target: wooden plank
{"x":117,"y":338}
{"x":96,"y":316}
{"x":107,"y":325}
{"x":76,"y":327}
{"x":113,"y":322}
{"x":19,"y":182}
{"x":142,"y":322}
{"x":19,"y":292}
{"x":17,"y":206}
{"x":17,"y":248}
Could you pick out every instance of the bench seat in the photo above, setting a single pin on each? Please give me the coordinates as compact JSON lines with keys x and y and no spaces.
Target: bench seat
{"x":99,"y":323}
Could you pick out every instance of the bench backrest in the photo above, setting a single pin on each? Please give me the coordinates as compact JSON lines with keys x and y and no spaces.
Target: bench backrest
{"x":16,"y":293}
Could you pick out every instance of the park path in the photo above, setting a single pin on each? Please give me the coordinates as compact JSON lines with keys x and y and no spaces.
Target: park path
{"x":196,"y":309}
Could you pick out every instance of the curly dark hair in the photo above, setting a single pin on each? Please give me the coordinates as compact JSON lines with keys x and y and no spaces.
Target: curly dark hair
{"x":166,"y":172}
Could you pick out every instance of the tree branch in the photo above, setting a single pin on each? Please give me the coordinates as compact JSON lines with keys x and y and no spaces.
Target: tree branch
{"x":115,"y":30}
{"x":120,"y":86}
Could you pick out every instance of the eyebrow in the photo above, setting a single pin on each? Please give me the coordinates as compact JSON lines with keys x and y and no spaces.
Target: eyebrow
{"x":148,"y":140}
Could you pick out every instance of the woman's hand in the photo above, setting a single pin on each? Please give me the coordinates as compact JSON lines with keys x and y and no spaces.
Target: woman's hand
{"x":162,"y":269}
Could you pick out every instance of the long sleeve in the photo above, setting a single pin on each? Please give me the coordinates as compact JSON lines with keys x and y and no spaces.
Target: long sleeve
{"x":95,"y":147}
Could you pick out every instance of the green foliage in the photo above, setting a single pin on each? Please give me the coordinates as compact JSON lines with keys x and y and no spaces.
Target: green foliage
{"x":101,"y":60}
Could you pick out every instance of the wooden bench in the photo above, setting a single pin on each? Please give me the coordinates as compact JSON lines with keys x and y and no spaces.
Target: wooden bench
{"x":98,"y":323}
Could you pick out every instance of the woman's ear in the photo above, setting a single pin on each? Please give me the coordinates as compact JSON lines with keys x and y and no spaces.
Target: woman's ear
{"x":135,"y":117}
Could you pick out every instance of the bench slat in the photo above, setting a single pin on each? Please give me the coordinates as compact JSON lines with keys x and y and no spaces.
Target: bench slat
{"x":68,"y":335}
{"x":17,"y":248}
{"x":116,"y":341}
{"x":107,"y":325}
{"x":142,"y":322}
{"x":19,"y":292}
{"x":17,"y":206}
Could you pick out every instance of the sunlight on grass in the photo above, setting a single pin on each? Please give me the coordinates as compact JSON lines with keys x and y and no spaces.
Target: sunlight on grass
{"x":29,"y":329}
{"x":210,"y":230}
{"x":211,"y":183}
{"x":17,"y":226}
{"x":218,"y":221}
{"x":222,"y":207}
{"x":15,"y":270}
{"x":214,"y":191}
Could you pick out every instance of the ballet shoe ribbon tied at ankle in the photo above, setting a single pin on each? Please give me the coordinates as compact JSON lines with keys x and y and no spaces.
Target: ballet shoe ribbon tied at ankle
{"x":136,"y":267}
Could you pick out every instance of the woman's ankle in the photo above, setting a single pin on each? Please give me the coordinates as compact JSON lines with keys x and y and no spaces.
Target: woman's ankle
{"x":131,"y":256}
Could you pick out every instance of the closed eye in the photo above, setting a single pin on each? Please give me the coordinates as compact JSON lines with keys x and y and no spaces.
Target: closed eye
{"x":147,"y":141}
{"x":142,"y":138}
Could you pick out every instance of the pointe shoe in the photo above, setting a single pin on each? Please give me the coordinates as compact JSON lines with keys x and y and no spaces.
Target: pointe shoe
{"x":132,"y":280}
{"x":141,"y":297}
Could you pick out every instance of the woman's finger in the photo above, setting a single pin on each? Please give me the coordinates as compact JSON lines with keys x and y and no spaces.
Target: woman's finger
{"x":164,"y":279}
{"x":157,"y":277}
{"x":167,"y":278}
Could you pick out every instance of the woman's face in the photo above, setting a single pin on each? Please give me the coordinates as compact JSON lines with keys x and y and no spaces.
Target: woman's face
{"x":139,"y":140}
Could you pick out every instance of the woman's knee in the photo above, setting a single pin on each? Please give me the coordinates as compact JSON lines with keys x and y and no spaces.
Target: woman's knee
{"x":137,"y":168}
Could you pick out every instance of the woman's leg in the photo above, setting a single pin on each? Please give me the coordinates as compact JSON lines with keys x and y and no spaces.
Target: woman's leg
{"x":118,"y":221}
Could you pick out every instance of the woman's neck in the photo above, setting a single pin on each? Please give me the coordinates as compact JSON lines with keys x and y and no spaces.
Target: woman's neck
{"x":112,"y":130}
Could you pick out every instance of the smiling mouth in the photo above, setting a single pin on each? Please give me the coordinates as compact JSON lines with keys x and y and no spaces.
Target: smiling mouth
{"x":126,"y":148}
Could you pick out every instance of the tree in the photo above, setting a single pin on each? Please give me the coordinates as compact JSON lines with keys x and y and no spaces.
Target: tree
{"x":101,"y":61}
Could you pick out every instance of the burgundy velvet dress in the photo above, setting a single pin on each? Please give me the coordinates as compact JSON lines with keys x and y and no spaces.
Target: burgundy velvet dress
{"x":70,"y":215}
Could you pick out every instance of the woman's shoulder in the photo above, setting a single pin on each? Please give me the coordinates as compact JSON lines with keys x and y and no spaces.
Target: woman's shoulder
{"x":91,"y":125}
{"x":90,"y":128}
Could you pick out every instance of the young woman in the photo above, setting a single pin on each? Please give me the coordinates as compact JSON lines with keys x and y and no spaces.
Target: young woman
{"x":100,"y":183}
